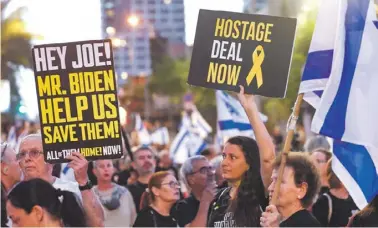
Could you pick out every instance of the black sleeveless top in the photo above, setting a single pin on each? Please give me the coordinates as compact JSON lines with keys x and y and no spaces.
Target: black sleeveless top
{"x":219,"y":214}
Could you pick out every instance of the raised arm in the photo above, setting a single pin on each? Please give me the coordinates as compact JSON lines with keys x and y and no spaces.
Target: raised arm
{"x":201,"y":218}
{"x":92,"y":206}
{"x":263,"y":139}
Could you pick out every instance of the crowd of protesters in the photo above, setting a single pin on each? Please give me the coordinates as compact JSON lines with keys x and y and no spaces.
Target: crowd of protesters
{"x":229,"y":189}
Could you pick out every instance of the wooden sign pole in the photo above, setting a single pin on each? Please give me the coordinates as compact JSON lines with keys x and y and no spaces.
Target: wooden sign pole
{"x":286,"y":150}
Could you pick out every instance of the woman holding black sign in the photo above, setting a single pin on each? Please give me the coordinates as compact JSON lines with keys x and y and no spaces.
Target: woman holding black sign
{"x":247,"y":166}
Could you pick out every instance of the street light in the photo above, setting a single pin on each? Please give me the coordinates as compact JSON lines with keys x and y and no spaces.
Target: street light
{"x":133,"y":20}
{"x":124,"y":75}
{"x":117,"y":42}
{"x":110,"y":31}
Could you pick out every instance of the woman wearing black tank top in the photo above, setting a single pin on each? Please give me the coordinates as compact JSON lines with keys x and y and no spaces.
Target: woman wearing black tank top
{"x":247,"y":167}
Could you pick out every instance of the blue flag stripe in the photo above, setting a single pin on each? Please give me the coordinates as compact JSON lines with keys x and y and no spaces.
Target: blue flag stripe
{"x":334,"y":123}
{"x":318,"y":65}
{"x":230,"y":124}
{"x":180,"y":141}
{"x":201,"y":148}
{"x":358,"y":162}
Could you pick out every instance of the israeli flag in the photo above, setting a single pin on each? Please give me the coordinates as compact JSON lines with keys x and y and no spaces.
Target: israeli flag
{"x":160,"y":136}
{"x":232,"y":119}
{"x":143,"y":134}
{"x":190,"y":140}
{"x":319,"y":60}
{"x":196,"y":123}
{"x":348,"y":108}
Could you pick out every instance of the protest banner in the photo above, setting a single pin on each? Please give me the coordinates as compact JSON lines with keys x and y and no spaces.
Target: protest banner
{"x":77,"y":100}
{"x":232,"y":49}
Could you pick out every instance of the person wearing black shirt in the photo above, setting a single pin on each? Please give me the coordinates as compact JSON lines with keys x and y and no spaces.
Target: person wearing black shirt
{"x":302,"y":218}
{"x":10,"y":176}
{"x":163,"y":191}
{"x":240,"y":204}
{"x":367,"y":217}
{"x":247,"y":167}
{"x":198,"y":176}
{"x":300,"y":185}
{"x":149,"y":217}
{"x":335,"y":207}
{"x":144,"y":163}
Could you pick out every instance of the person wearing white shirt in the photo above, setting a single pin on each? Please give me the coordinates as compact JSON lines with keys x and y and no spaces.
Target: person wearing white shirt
{"x":30,"y":158}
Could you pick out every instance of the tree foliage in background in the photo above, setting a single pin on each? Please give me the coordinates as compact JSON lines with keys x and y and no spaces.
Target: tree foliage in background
{"x":170,"y":78}
{"x":15,"y":50}
{"x":279,"y":110}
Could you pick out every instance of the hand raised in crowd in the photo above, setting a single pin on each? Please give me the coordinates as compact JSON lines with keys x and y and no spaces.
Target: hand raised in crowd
{"x":246,"y":100}
{"x":271,"y":217}
{"x":209,"y":193}
{"x":80,"y":166}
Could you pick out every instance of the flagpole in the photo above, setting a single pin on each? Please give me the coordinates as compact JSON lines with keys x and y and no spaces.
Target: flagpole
{"x":286,"y":150}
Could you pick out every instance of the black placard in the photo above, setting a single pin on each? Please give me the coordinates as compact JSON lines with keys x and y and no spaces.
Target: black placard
{"x":232,"y":49}
{"x":77,"y":100}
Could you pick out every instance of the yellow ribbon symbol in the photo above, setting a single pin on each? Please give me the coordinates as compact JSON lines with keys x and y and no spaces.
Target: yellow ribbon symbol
{"x":256,"y":67}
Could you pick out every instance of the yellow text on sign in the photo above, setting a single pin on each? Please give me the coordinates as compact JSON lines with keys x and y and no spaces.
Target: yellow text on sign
{"x":58,"y":109}
{"x":90,"y":152}
{"x":87,"y":82}
{"x":60,"y":133}
{"x":223,"y":73}
{"x":99,"y":130}
{"x":52,"y":109}
{"x":49,"y":85}
{"x":244,"y":30}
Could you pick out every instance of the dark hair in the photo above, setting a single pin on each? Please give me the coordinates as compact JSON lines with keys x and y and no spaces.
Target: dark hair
{"x":326,"y":153}
{"x":37,"y":192}
{"x":304,"y":172}
{"x":333,"y":180}
{"x":141,"y":148}
{"x":206,"y":152}
{"x":246,"y":205}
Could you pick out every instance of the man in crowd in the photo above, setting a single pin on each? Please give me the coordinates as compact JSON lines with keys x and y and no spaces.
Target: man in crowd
{"x":117,"y":201}
{"x":198,"y":176}
{"x":10,"y":175}
{"x":144,"y":163}
{"x":33,"y":165}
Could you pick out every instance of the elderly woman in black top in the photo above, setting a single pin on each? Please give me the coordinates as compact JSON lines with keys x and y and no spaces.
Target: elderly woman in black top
{"x":300,"y":185}
{"x":163,"y":191}
{"x":247,"y":165}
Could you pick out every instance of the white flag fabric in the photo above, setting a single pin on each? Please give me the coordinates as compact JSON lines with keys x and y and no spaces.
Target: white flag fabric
{"x":143,"y":134}
{"x":319,"y":60}
{"x":190,"y":140}
{"x":160,"y":136}
{"x":348,"y":108}
{"x":232,"y":119}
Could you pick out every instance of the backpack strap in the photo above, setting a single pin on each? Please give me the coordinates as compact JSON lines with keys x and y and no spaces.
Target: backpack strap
{"x":330,"y":209}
